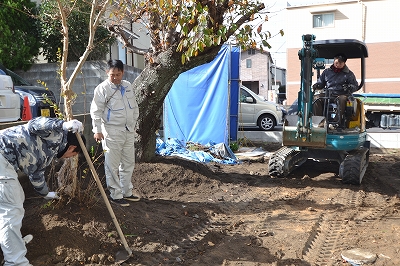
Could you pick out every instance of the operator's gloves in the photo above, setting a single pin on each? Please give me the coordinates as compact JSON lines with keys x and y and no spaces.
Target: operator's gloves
{"x":349,"y":87}
{"x":51,"y":195}
{"x":73,"y":125}
{"x":317,"y":86}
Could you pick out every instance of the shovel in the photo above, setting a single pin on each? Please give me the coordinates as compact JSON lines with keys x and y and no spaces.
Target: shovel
{"x":121,"y":255}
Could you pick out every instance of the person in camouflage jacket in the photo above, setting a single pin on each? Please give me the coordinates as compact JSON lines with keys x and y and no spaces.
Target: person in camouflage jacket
{"x":29,"y":148}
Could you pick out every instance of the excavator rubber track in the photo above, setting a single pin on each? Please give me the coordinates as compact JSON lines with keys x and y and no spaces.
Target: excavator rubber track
{"x":285,"y":160}
{"x":354,"y":165}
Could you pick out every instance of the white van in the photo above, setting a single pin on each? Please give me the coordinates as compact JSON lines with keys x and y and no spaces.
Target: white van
{"x":255,"y":111}
{"x":10,"y":108}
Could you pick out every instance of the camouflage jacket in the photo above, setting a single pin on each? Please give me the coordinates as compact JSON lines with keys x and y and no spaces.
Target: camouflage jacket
{"x":31,"y":148}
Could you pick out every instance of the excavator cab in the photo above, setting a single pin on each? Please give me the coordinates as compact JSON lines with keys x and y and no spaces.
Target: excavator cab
{"x":319,"y":136}
{"x":353,"y":49}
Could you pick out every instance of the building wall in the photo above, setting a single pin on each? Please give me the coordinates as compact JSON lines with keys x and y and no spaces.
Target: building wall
{"x":117,"y":51}
{"x":259,"y":71}
{"x":371,"y":21}
{"x":261,"y":74}
{"x":382,"y":18}
{"x":347,"y":24}
{"x":91,"y":75}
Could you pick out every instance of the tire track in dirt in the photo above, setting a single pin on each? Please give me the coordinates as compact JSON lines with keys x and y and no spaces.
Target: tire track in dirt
{"x":251,"y":202}
{"x":217,"y":222}
{"x":331,"y":233}
{"x":327,"y":238}
{"x":176,"y":250}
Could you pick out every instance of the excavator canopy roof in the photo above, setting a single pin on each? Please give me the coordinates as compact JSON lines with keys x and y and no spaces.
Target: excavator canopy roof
{"x":350,"y":47}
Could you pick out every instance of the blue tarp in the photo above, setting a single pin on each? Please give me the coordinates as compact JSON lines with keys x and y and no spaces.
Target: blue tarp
{"x":196,"y":108}
{"x":202,"y":107}
{"x":218,"y":153}
{"x":234,"y":93}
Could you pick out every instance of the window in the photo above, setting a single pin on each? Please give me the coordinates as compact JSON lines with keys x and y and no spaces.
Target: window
{"x":243,"y":95}
{"x":251,"y":51}
{"x":248,"y":63}
{"x":323,"y":20}
{"x":328,"y":62}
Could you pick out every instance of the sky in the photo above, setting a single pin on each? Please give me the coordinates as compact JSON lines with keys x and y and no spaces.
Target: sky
{"x":276,"y":22}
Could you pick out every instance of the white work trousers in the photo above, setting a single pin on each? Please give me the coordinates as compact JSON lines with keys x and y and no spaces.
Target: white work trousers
{"x":11,"y":214}
{"x":119,"y":161}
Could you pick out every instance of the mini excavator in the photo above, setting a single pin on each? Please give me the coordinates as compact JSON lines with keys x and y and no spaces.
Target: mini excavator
{"x":320,"y":138}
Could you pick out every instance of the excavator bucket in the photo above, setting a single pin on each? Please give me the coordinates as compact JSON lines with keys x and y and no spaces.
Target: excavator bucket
{"x":296,"y":135}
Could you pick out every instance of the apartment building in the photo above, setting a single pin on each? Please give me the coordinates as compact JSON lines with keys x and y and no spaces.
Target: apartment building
{"x":138,"y":35}
{"x":259,"y":73}
{"x":371,"y":21}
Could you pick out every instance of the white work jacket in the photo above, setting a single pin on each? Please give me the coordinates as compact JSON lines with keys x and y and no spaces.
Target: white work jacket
{"x":114,"y":106}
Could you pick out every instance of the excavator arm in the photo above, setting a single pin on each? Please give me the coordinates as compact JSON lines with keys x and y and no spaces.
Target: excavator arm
{"x":304,"y":129}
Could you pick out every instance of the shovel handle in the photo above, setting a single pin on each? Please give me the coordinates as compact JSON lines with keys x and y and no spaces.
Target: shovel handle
{"x":103,"y":193}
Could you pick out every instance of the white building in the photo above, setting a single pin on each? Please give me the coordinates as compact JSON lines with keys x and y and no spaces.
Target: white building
{"x":259,"y":73}
{"x":374,"y":22}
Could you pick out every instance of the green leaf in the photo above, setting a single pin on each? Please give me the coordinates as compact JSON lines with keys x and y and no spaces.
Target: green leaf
{"x":265,"y":43}
{"x":200,"y":46}
{"x":183,"y":59}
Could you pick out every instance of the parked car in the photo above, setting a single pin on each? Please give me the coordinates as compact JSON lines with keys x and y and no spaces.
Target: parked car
{"x":35,"y":94}
{"x":293,"y":109}
{"x":9,"y":100}
{"x":254,"y":111}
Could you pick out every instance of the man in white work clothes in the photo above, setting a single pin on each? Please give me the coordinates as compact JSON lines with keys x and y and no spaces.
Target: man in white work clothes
{"x":114,"y":112}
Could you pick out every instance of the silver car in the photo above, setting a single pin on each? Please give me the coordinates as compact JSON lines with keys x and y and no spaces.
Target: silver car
{"x":9,"y":100}
{"x":255,"y":111}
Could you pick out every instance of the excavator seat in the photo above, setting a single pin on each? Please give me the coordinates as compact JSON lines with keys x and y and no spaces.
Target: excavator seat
{"x":331,"y":110}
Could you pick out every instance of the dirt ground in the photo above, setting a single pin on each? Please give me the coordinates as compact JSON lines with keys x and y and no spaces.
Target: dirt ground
{"x":196,"y":214}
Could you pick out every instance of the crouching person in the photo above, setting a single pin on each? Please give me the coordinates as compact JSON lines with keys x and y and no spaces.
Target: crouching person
{"x":30,"y":148}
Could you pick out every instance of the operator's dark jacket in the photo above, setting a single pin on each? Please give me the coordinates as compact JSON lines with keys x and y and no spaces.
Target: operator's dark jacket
{"x":334,"y":80}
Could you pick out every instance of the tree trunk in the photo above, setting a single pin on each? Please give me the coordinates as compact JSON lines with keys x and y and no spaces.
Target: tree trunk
{"x":152,"y":86}
{"x":67,"y":175}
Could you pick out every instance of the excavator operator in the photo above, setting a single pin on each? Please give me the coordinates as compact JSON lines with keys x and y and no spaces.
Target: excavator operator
{"x":340,"y":81}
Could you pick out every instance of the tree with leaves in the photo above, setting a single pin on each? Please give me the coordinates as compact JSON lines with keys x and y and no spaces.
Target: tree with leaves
{"x":19,"y":34}
{"x":61,"y":11}
{"x":184,"y":34}
{"x":78,"y":18}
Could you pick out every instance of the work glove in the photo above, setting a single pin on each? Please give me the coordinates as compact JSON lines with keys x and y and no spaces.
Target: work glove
{"x":51,"y":195}
{"x":73,"y":125}
{"x":348,"y":87}
{"x":317,"y":86}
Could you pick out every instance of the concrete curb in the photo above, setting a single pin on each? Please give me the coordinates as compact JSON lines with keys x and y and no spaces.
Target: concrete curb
{"x":384,"y":140}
